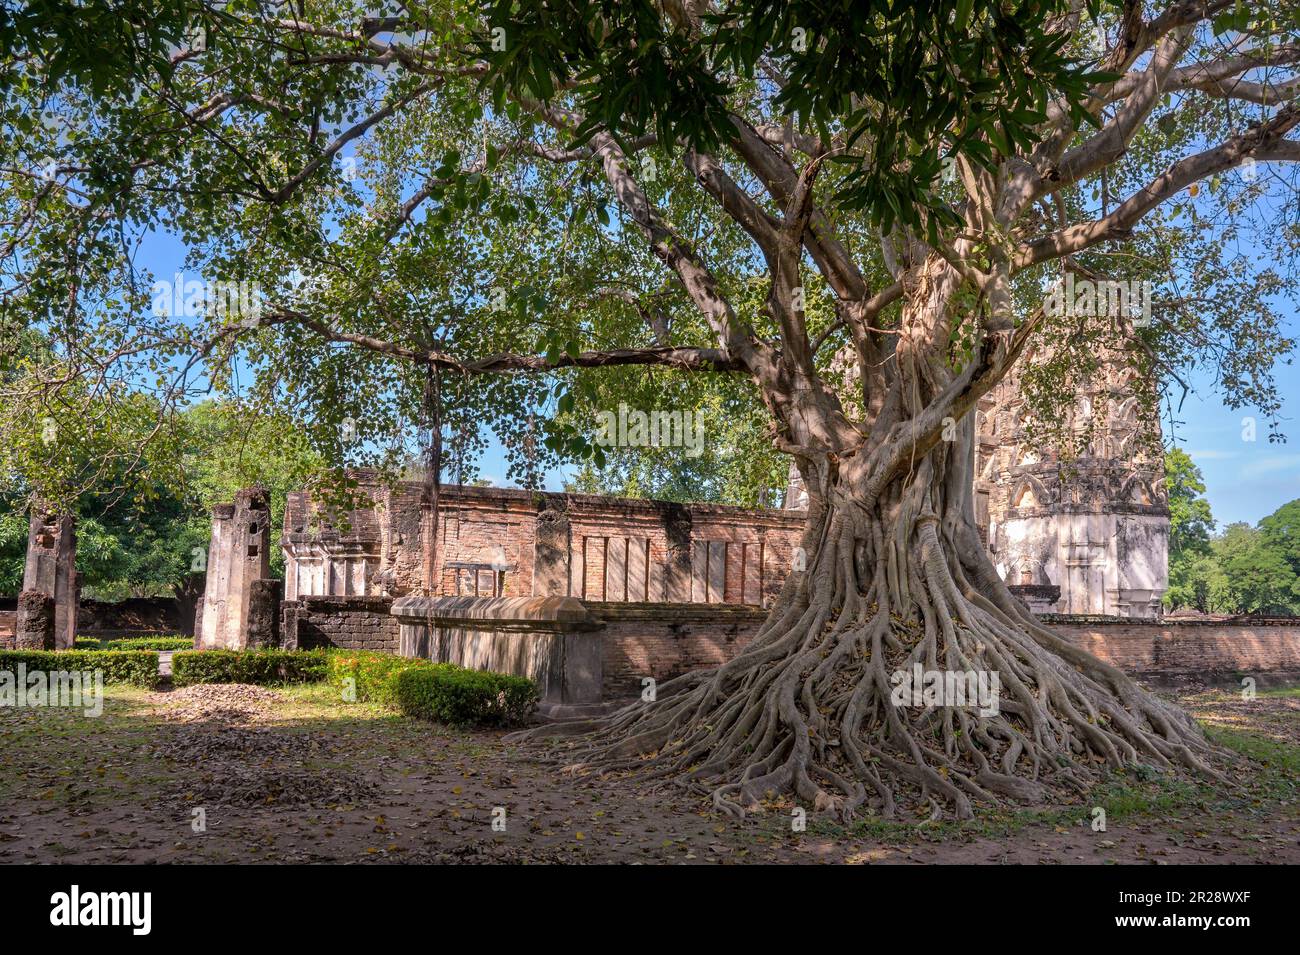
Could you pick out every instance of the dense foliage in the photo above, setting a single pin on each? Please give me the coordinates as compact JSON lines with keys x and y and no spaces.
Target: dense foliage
{"x":134,"y":643}
{"x":1243,"y":570}
{"x":459,"y":697}
{"x":404,"y":215}
{"x":136,"y":667}
{"x":442,"y":692}
{"x":371,"y":676}
{"x":147,"y":534}
{"x":248,"y":666}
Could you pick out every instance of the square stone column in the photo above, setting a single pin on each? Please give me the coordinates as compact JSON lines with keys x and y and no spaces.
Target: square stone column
{"x":239,"y":555}
{"x":51,"y":569}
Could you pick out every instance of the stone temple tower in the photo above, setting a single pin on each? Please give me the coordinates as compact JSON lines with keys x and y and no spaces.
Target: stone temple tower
{"x":1086,"y":536}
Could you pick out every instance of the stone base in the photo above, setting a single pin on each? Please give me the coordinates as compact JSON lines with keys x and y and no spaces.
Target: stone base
{"x":551,"y":640}
{"x":34,"y":629}
{"x":569,"y":712}
{"x":1039,"y":598}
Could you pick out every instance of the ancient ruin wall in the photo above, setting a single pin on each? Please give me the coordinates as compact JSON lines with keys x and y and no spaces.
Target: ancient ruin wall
{"x":664,"y":642}
{"x":350,"y":623}
{"x":512,"y":543}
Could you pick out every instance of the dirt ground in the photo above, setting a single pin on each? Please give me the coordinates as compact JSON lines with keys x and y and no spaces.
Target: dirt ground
{"x":245,"y":774}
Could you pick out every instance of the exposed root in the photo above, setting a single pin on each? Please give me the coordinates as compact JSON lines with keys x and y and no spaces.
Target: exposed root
{"x":818,"y":706}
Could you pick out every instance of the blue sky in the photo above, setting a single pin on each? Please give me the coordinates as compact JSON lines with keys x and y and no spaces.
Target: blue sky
{"x":1245,"y":480}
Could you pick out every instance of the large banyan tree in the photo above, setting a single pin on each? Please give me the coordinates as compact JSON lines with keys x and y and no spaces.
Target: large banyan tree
{"x":855,"y":213}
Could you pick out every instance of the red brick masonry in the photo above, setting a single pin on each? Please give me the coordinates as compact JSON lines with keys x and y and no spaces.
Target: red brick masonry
{"x":1192,"y":648}
{"x":662,"y":641}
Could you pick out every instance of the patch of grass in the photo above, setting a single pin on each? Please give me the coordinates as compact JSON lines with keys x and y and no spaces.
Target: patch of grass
{"x":1278,"y":762}
{"x":1124,"y":795}
{"x":1282,"y":692}
{"x":324,"y":702}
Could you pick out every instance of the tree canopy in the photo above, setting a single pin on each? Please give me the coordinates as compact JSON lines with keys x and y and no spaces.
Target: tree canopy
{"x":375,"y":198}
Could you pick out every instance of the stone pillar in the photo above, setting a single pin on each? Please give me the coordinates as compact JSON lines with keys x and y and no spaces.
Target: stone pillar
{"x":238,"y":555}
{"x":51,"y":569}
{"x":35,"y":626}
{"x":289,"y":614}
{"x":208,"y":629}
{"x":677,"y":573}
{"x":551,"y":549}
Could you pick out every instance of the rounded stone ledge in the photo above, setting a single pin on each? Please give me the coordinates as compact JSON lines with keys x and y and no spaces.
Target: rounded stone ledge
{"x":532,"y":613}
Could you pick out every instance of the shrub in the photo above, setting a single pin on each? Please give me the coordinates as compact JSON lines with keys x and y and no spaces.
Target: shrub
{"x":248,"y":666}
{"x":136,"y":667}
{"x":460,"y":697}
{"x":157,"y":642}
{"x":374,"y":675}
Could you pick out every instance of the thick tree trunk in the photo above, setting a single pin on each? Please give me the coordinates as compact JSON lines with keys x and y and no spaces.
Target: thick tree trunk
{"x":821,"y":703}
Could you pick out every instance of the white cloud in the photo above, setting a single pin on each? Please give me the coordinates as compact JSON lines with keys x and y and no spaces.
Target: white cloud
{"x":1271,"y":464}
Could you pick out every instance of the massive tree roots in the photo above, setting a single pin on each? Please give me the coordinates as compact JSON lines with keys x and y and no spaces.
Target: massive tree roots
{"x":822,"y":704}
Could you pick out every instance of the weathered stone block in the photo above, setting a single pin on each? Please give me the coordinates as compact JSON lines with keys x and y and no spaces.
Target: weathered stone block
{"x":551,"y":549}
{"x":551,"y":640}
{"x":50,"y":568}
{"x":35,"y":621}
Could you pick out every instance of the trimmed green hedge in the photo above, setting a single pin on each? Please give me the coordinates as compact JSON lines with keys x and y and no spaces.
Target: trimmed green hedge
{"x":136,"y":667}
{"x":135,"y":643}
{"x":433,"y":691}
{"x":374,"y":675}
{"x":248,"y":666}
{"x":449,"y":694}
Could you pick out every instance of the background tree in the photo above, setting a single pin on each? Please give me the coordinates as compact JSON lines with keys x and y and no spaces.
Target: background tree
{"x":539,"y":192}
{"x":1281,"y":531}
{"x":141,"y":537}
{"x":1191,"y":525}
{"x":1252,"y":577}
{"x":1244,"y":570}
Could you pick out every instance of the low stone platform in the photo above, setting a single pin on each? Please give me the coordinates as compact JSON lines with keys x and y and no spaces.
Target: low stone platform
{"x":552,"y":640}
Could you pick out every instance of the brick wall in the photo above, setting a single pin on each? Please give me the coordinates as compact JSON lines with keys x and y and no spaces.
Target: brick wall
{"x":8,"y":626}
{"x":352,"y":623}
{"x":591,"y":547}
{"x":665,"y":640}
{"x":485,"y":528}
{"x":1210,"y":649}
